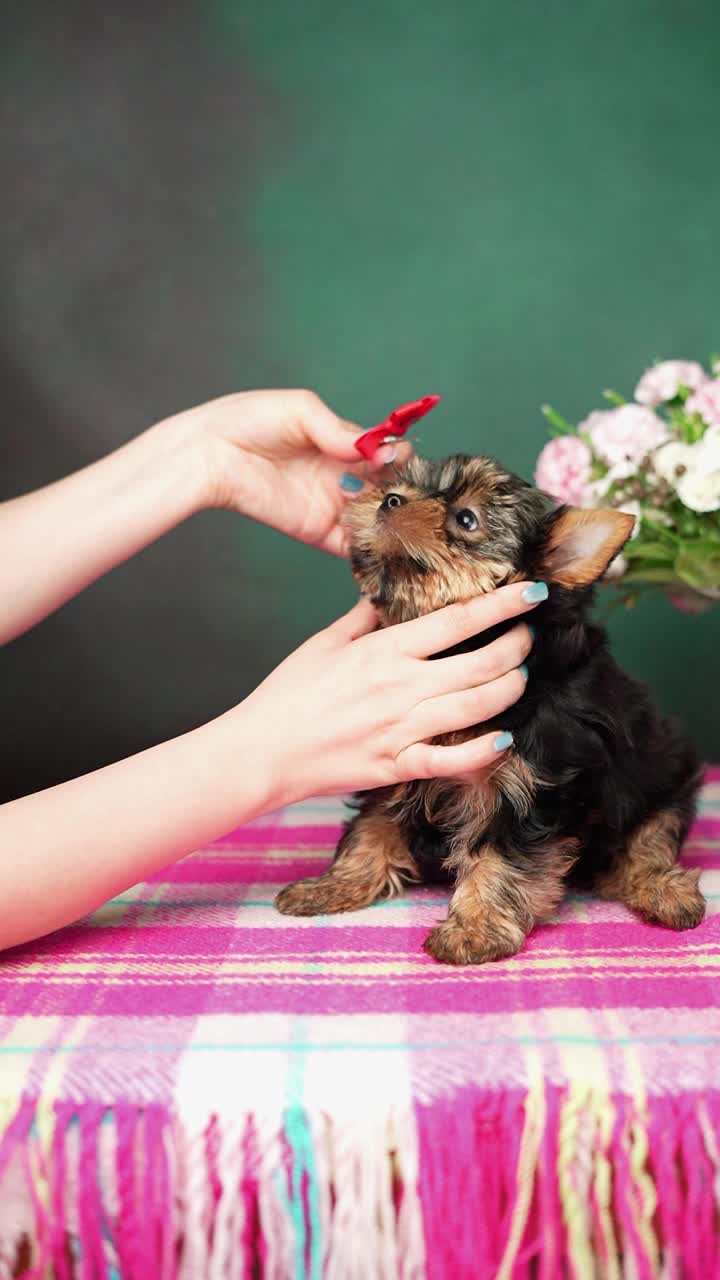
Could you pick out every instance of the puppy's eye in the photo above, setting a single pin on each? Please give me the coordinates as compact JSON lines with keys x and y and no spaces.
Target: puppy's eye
{"x":391,"y":500}
{"x":467,"y":520}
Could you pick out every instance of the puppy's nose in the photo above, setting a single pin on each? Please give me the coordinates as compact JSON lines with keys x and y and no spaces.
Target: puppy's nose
{"x":417,"y":520}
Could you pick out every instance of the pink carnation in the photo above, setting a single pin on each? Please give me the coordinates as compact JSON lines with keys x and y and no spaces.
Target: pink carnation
{"x":706,"y":402}
{"x":625,"y":434}
{"x":664,"y":380}
{"x":563,"y":471}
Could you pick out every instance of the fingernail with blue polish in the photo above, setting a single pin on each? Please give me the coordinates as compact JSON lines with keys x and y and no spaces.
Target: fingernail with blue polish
{"x":536,"y":592}
{"x":523,"y":670}
{"x":503,"y":741}
{"x":351,"y":483}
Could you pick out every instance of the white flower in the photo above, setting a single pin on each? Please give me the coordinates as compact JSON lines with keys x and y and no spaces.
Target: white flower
{"x":616,"y":568}
{"x":699,"y":486}
{"x":669,"y":457}
{"x":664,"y":380}
{"x":700,"y":491}
{"x":693,"y":470}
{"x":711,"y":447}
{"x":619,"y":471}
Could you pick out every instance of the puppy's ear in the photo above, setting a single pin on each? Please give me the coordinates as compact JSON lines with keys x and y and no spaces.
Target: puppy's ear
{"x":582,"y":543}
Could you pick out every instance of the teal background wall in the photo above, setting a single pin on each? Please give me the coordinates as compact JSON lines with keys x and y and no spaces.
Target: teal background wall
{"x":506,"y":203}
{"x":503,"y":203}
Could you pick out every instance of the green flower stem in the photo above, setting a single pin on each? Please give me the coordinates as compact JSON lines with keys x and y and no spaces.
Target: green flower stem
{"x":561,"y":425}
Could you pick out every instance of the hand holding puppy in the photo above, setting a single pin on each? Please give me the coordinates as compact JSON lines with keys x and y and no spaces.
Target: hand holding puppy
{"x":355,"y":708}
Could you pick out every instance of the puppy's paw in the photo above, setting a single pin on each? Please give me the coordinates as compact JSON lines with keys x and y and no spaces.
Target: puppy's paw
{"x":675,"y":901}
{"x":321,"y":897}
{"x":452,"y":943}
{"x":303,"y":898}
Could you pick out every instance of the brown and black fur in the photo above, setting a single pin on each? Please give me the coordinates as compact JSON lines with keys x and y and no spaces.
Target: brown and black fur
{"x":598,"y":790}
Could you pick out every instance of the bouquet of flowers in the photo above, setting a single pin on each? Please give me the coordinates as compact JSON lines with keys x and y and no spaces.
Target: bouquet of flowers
{"x":658,"y":458}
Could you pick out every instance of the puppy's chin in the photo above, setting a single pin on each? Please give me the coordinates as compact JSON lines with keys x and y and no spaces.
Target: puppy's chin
{"x":405,"y":585}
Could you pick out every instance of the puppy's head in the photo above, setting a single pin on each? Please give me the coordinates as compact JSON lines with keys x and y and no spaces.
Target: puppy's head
{"x":435,"y":532}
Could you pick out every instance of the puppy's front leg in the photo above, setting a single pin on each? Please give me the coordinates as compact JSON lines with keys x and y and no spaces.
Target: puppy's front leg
{"x":496,"y":903}
{"x":372,"y":862}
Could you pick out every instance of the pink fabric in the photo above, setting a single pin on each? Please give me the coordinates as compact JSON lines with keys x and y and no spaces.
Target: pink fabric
{"x":187,"y":1012}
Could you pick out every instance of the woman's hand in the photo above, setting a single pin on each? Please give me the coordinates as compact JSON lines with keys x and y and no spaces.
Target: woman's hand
{"x":279,"y":457}
{"x":357,"y":708}
{"x":350,"y":709}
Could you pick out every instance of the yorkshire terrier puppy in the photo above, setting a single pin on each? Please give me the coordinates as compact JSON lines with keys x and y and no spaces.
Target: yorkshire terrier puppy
{"x":598,"y":790}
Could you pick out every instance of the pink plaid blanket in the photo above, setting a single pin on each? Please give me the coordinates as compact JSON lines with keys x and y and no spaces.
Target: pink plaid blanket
{"x":194,"y":1086}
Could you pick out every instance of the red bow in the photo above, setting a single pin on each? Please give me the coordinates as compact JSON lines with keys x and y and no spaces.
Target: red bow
{"x":395,"y":426}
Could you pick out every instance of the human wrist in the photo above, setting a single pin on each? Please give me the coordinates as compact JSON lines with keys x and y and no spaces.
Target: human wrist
{"x":243,"y":771}
{"x":177,"y":452}
{"x":208,"y":463}
{"x":263,"y":749}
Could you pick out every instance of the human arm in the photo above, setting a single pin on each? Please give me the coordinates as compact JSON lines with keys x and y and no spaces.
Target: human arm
{"x":276,"y":456}
{"x":353,"y":708}
{"x":58,"y":539}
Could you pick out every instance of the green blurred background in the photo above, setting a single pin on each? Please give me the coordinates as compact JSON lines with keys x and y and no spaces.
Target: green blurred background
{"x":503,"y":203}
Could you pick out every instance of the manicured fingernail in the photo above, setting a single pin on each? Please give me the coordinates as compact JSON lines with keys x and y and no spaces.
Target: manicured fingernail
{"x":523,"y":670}
{"x":386,"y":455}
{"x":351,"y":483}
{"x":536,"y":592}
{"x":503,"y":741}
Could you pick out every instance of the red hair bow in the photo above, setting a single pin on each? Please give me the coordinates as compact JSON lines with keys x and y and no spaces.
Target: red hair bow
{"x":395,"y":426}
